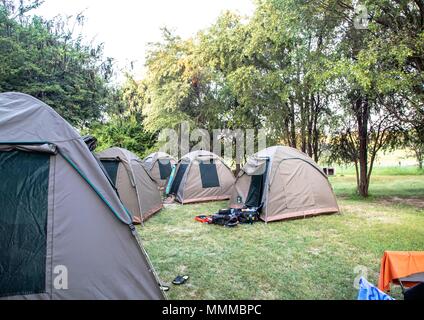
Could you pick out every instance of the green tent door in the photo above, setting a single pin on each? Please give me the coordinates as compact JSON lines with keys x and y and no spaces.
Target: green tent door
{"x":111,"y":167}
{"x":24,"y":179}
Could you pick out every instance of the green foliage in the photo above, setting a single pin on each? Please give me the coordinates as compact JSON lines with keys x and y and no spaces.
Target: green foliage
{"x":379,"y":73}
{"x":300,"y":69}
{"x":45,"y":59}
{"x":123,"y":132}
{"x":275,"y":70}
{"x":171,"y":87}
{"x":123,"y":125}
{"x":415,"y":141}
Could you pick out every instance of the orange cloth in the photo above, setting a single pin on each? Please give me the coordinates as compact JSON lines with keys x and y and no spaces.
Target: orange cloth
{"x":398,"y":264}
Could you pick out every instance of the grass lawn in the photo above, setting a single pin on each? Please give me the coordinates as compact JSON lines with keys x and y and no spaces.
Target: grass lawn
{"x":311,"y":258}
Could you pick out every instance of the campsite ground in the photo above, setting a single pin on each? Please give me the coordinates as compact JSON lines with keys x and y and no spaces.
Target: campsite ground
{"x":316,"y":258}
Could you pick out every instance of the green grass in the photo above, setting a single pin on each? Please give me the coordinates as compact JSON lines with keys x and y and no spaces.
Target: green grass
{"x":381,"y":186}
{"x":301,"y":259}
{"x":383,"y":171}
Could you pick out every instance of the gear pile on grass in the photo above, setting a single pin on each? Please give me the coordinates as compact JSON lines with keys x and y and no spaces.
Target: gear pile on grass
{"x":231,"y":217}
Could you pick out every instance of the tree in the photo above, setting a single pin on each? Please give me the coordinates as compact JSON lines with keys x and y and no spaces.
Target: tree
{"x":375,"y":69}
{"x":124,"y":132}
{"x":293,"y":41}
{"x":174,"y":85}
{"x":415,"y":142}
{"x":269,"y":70}
{"x":122,"y":126}
{"x":304,"y":70}
{"x":363,"y":130}
{"x":45,"y":59}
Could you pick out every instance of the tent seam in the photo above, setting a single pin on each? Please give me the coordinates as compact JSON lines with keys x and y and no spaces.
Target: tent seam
{"x":97,"y":191}
{"x":52,"y":228}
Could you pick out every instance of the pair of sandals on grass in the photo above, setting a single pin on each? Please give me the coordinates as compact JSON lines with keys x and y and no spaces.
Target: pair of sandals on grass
{"x":179,"y":280}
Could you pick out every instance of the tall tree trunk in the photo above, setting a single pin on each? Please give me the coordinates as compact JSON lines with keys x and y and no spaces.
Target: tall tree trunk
{"x":303,"y":122}
{"x":315,"y":132}
{"x":420,"y":158}
{"x":357,"y":173}
{"x":311,"y":116}
{"x":293,"y":126}
{"x":286,"y":126}
{"x":362,"y":117}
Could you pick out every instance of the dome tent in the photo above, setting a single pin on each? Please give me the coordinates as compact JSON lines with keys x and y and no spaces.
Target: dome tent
{"x":202,"y":176}
{"x":57,"y":209}
{"x":286,"y":182}
{"x":137,"y":190}
{"x":159,"y":166}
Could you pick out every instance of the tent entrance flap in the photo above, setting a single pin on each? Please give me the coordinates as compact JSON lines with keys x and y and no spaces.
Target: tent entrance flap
{"x":178,"y":178}
{"x":111,"y":167}
{"x":164,"y":169}
{"x":24,"y":188}
{"x":256,"y":189}
{"x":209,"y":175}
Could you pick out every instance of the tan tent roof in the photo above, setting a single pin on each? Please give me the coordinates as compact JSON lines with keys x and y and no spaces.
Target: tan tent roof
{"x":61,"y":212}
{"x":159,"y":167}
{"x":202,"y":176}
{"x":150,"y":160}
{"x":136,"y":189}
{"x":201,"y":155}
{"x":286,"y":182}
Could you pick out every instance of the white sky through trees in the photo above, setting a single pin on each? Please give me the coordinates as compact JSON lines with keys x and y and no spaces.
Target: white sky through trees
{"x":127,"y":26}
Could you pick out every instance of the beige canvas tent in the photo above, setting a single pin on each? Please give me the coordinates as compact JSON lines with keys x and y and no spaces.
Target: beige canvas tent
{"x":288,"y":184}
{"x":136,"y":189}
{"x":159,"y":166}
{"x":64,"y":233}
{"x":202,"y":176}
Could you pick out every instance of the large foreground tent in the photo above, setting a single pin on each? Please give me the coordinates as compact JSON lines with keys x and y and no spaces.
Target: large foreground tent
{"x":202,"y":176}
{"x":286,"y":182}
{"x":136,"y":189}
{"x":64,"y":233}
{"x":159,"y":166}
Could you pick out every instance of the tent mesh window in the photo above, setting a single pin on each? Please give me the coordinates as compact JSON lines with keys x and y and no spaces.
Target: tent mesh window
{"x":209,"y":175}
{"x":256,"y":189}
{"x":164,"y":169}
{"x":178,"y":178}
{"x":111,"y":167}
{"x":23,"y":222}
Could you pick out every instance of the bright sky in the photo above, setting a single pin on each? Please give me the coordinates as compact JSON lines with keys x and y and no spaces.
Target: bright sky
{"x":127,"y":26}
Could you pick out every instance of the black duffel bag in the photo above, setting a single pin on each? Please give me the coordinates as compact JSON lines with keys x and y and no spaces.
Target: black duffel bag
{"x":226,"y":220}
